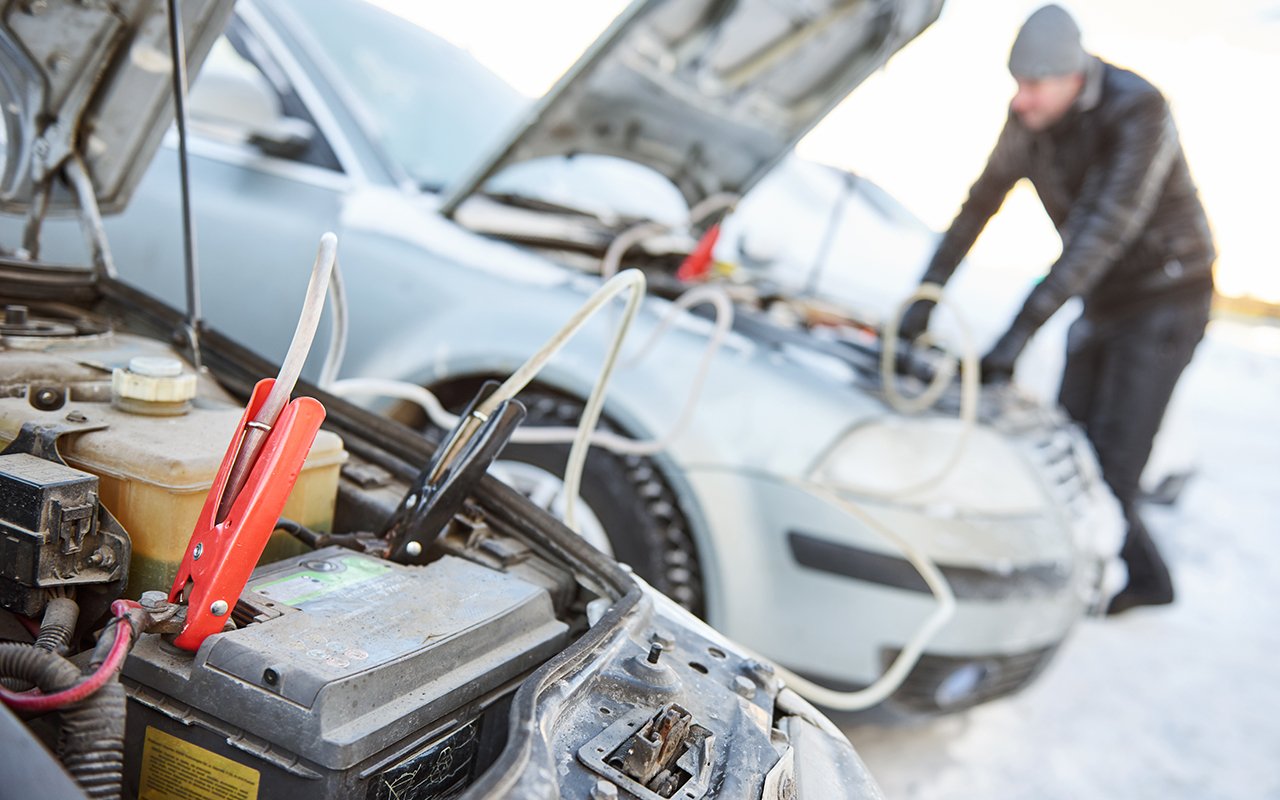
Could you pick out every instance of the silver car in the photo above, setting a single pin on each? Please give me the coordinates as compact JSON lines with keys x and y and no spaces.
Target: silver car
{"x":778,"y":514}
{"x":440,"y":637}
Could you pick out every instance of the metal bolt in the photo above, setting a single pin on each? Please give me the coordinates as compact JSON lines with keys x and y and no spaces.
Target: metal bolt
{"x":744,"y":687}
{"x":414,"y":549}
{"x":101,"y":558}
{"x":46,"y":397}
{"x":76,"y":416}
{"x":604,"y":790}
{"x":196,"y":553}
{"x":219,"y":608}
{"x":153,"y":599}
{"x":270,"y":677}
{"x":655,"y":653}
{"x":662,"y":637}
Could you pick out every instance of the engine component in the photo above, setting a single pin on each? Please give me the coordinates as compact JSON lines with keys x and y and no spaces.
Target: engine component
{"x":53,"y":531}
{"x":48,"y":513}
{"x":19,"y":322}
{"x":153,"y":473}
{"x":358,"y":678}
{"x":154,"y":386}
{"x":654,"y":755}
{"x":651,"y":755}
{"x":222,"y":552}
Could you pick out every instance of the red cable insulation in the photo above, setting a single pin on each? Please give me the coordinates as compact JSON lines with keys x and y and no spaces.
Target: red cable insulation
{"x":32,"y":625}
{"x":37,"y":702}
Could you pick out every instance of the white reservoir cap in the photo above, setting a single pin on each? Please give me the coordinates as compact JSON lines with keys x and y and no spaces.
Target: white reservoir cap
{"x":155,"y":366}
{"x":153,"y":385}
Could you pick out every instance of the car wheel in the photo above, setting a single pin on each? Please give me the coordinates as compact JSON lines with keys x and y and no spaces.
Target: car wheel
{"x":631,"y":511}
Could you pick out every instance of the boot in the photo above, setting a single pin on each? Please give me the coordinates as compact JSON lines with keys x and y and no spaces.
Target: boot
{"x":1149,"y":580}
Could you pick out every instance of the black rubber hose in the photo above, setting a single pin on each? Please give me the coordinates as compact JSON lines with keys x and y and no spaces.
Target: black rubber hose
{"x":45,"y":670}
{"x":91,"y":743}
{"x":316,"y":540}
{"x":91,"y":739}
{"x":301,"y":532}
{"x":60,"y":616}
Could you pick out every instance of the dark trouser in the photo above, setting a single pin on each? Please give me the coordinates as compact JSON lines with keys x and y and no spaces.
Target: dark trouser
{"x":1119,"y":376}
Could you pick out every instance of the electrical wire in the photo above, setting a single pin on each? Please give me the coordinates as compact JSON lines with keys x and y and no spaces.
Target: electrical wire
{"x":631,"y":281}
{"x":338,"y":330}
{"x":436,"y":412}
{"x":626,"y":240}
{"x":255,"y":435}
{"x":632,"y":236}
{"x":32,"y":625}
{"x":970,"y":390}
{"x":585,"y":433}
{"x":892,"y":678}
{"x":36,"y":702}
{"x":942,"y":378}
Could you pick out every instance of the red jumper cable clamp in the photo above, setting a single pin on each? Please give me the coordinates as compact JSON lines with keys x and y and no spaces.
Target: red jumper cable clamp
{"x":223,"y":552}
{"x":697,"y":265}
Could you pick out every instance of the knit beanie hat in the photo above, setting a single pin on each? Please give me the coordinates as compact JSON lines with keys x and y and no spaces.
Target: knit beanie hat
{"x":1047,"y":46}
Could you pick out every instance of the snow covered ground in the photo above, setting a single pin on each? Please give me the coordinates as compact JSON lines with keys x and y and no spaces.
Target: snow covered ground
{"x":1169,"y":703}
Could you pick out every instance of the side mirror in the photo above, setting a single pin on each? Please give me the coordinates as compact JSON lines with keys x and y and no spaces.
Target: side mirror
{"x":288,"y":138}
{"x":232,"y":101}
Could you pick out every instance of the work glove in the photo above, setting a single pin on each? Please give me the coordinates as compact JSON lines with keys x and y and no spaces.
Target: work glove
{"x":997,"y":365}
{"x":916,"y":320}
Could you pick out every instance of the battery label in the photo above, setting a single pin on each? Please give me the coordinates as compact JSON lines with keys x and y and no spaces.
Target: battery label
{"x":438,"y":772}
{"x":321,"y":578}
{"x":176,"y":770}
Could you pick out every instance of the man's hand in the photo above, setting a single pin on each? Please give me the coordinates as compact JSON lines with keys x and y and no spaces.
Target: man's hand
{"x":997,"y":365}
{"x":916,"y":320}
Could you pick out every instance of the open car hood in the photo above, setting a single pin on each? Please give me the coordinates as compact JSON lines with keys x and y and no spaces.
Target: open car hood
{"x":710,"y":93}
{"x":94,"y":82}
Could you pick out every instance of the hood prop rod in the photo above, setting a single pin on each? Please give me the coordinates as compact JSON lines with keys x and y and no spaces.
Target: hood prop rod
{"x":177,"y":50}
{"x":90,"y":215}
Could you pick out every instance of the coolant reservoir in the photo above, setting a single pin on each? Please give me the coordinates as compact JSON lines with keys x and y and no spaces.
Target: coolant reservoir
{"x":155,"y":471}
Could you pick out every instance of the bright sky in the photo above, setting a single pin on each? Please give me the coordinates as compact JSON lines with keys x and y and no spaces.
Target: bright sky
{"x":923,"y":126}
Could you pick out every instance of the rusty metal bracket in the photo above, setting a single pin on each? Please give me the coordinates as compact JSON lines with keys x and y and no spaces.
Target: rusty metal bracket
{"x":653,"y":755}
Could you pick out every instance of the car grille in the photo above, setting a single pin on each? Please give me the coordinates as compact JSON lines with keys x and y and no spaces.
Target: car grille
{"x":1000,"y":675}
{"x":1067,"y":466}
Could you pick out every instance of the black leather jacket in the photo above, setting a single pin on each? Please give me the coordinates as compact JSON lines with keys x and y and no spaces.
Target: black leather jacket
{"x":1113,"y":178}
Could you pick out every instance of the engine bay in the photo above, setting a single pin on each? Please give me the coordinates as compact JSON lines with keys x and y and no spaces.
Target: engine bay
{"x":356,"y":662}
{"x":339,"y":663}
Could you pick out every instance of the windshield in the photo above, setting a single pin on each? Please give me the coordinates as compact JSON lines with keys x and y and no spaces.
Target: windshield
{"x":432,"y":108}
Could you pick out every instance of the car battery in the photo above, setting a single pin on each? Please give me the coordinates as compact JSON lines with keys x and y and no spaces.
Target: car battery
{"x":349,"y":677}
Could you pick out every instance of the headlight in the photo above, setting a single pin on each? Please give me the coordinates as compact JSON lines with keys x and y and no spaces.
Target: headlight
{"x":933,"y":463}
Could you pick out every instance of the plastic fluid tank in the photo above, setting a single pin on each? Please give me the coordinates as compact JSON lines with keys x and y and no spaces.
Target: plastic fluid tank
{"x":155,"y":471}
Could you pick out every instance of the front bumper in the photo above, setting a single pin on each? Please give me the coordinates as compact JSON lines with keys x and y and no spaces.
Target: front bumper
{"x":952,"y":683}
{"x":830,"y":599}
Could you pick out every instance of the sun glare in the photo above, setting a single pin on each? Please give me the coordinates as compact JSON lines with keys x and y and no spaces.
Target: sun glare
{"x":923,"y":126}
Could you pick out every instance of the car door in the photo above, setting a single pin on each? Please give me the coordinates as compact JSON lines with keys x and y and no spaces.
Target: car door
{"x":259,"y":196}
